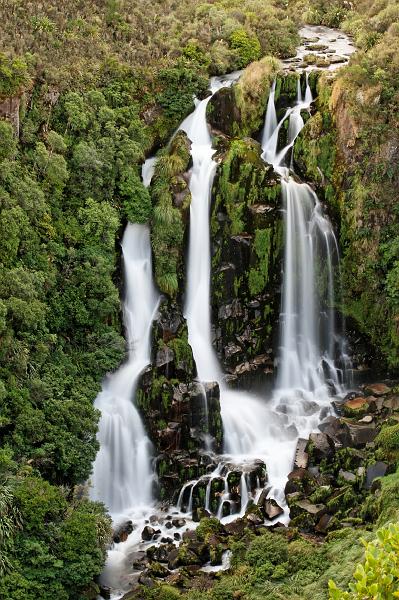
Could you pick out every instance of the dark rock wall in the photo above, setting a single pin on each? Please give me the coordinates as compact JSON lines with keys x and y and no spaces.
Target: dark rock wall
{"x":247,"y":238}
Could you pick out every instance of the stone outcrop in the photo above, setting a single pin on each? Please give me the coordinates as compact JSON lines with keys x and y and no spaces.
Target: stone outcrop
{"x":181,"y":414}
{"x":246,"y":229}
{"x":9,"y":110}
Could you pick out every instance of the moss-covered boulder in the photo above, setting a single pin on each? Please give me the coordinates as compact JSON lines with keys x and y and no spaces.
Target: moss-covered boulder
{"x":239,"y":110}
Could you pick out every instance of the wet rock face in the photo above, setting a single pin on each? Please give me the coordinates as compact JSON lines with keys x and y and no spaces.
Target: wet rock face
{"x":246,"y":232}
{"x":223,"y":111}
{"x":223,"y":494}
{"x":182,"y":415}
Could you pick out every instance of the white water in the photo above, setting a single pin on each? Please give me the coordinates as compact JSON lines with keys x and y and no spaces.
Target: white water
{"x":307,"y":338}
{"x":271,"y":117}
{"x":122,"y":476}
{"x":250,"y":427}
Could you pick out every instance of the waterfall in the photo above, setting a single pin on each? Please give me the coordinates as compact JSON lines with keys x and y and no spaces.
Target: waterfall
{"x":249,"y":426}
{"x":271,"y":117}
{"x":122,"y":476}
{"x":255,"y":427}
{"x":307,"y":336}
{"x":197,"y":309}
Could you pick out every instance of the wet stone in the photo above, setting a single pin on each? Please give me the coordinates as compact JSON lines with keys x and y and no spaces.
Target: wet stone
{"x":122,"y":532}
{"x":272,"y":509}
{"x":377,"y":389}
{"x":148,"y":533}
{"x":378,"y":469}
{"x":178,"y":523}
{"x":301,"y":456}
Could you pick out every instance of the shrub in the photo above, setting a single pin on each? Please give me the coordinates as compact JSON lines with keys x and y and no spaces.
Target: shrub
{"x":208,"y":526}
{"x":246,"y":46}
{"x":269,"y":547}
{"x":378,"y":576}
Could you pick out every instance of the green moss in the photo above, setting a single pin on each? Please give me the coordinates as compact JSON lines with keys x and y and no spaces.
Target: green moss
{"x":208,"y":526}
{"x":388,"y":438}
{"x":182,"y":350}
{"x":269,"y":547}
{"x":167,"y":232}
{"x":251,"y":94}
{"x":258,"y":278}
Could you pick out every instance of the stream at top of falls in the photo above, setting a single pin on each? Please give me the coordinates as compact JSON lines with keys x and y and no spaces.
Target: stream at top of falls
{"x":256,"y":428}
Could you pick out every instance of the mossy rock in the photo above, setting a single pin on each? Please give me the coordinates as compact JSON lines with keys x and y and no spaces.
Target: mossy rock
{"x":356,"y":407}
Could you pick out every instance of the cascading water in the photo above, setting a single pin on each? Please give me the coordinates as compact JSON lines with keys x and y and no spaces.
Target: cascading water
{"x":249,"y":426}
{"x":122,"y":475}
{"x":255,"y":429}
{"x":308,"y":336}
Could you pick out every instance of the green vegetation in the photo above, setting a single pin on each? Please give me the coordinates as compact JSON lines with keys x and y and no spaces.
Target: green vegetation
{"x":96,"y":86}
{"x":321,"y":12}
{"x":171,"y":199}
{"x":251,"y":94}
{"x":378,"y":576}
{"x":258,"y":278}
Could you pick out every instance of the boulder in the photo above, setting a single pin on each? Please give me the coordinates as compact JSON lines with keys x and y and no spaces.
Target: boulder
{"x":337,"y":430}
{"x":305,"y":506}
{"x":271,"y":509}
{"x":319,"y":447}
{"x":355,"y":407}
{"x":377,"y":389}
{"x":362,"y":434}
{"x":178,"y":523}
{"x":122,"y":532}
{"x":301,"y":456}
{"x":300,"y":480}
{"x":148,"y":533}
{"x":374,"y":471}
